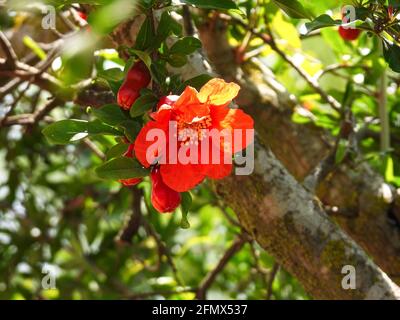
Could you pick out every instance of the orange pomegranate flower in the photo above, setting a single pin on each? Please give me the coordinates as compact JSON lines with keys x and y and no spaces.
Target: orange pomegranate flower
{"x":193,"y":115}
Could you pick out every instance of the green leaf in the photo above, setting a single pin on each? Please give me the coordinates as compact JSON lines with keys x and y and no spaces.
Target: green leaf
{"x":66,"y":131}
{"x":341,"y":150}
{"x":212,"y":4}
{"x":131,"y":129}
{"x":322,"y":21}
{"x":177,"y":60}
{"x":105,"y":18}
{"x":113,"y":74}
{"x":34,"y":46}
{"x":142,"y":104}
{"x":144,"y":56}
{"x":167,"y":26}
{"x":145,"y":36}
{"x":121,"y":168}
{"x":199,"y":81}
{"x":391,"y":52}
{"x":159,"y":72}
{"x":117,"y":150}
{"x":186,"y":203}
{"x":186,"y":45}
{"x":110,"y":114}
{"x":293,"y":9}
{"x":389,"y":169}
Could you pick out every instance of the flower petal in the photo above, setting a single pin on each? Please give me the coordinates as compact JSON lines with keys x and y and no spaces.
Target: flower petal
{"x":142,"y":145}
{"x":189,"y":107}
{"x":180,"y":177}
{"x":217,"y":92}
{"x":163,"y":198}
{"x":223,"y":165}
{"x":233,"y":119}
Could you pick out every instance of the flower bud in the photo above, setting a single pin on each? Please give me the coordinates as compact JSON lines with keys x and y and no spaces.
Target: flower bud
{"x":127,"y":96}
{"x":138,"y":75}
{"x":163,"y":198}
{"x":137,"y":78}
{"x":349,"y":34}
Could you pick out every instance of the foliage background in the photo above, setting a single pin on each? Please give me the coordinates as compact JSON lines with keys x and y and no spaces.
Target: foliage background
{"x":56,"y":213}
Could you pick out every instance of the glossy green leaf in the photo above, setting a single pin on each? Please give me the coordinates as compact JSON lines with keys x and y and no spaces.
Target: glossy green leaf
{"x":293,"y":9}
{"x":131,"y":129}
{"x":143,"y":104}
{"x":186,"y":203}
{"x":322,"y":21}
{"x":177,"y":60}
{"x":117,"y":150}
{"x":110,"y":114}
{"x":391,"y":52}
{"x":121,"y":168}
{"x":67,"y":131}
{"x":212,"y":4}
{"x":186,"y":45}
{"x":145,"y":36}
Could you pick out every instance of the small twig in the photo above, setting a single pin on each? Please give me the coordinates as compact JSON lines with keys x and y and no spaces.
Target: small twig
{"x":14,"y":104}
{"x":187,"y":21}
{"x":8,"y":51}
{"x":31,"y":119}
{"x":335,"y":67}
{"x":383,"y":113}
{"x":23,"y":120}
{"x":272,"y":277}
{"x":262,"y":272}
{"x":211,"y":276}
{"x":92,"y":146}
{"x":162,"y":249}
{"x":154,"y":55}
{"x":269,"y":39}
{"x":46,"y":109}
{"x":328,"y":164}
{"x":134,"y":219}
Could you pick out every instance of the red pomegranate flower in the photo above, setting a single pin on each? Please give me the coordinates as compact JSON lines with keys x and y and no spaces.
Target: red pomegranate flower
{"x":191,"y":114}
{"x":132,"y":181}
{"x":349,"y":34}
{"x":163,"y":198}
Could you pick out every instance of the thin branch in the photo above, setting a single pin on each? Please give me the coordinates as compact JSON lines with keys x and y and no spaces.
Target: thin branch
{"x":383,"y":112}
{"x":163,"y":250}
{"x":268,"y":39}
{"x":212,"y":275}
{"x":187,"y":21}
{"x":31,"y":119}
{"x":8,"y":51}
{"x":92,"y":146}
{"x":14,"y":104}
{"x":328,"y":164}
{"x":134,"y":219}
{"x":271,"y":279}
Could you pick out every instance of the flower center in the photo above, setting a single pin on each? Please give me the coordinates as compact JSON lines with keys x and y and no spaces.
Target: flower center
{"x":193,"y":132}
